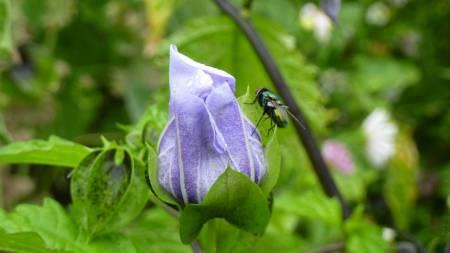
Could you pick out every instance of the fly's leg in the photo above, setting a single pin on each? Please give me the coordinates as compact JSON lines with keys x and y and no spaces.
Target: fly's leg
{"x":272,"y":126}
{"x":259,"y":121}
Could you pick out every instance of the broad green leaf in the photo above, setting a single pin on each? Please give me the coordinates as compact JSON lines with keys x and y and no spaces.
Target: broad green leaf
{"x":55,"y":151}
{"x":232,"y":197}
{"x":108,"y":190}
{"x":49,"y":221}
{"x":48,"y":228}
{"x":313,"y":205}
{"x":24,"y":242}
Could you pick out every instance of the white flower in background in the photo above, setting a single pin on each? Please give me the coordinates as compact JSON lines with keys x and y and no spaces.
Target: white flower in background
{"x":378,"y":14}
{"x":389,"y":234}
{"x":314,"y":19}
{"x":380,"y":134}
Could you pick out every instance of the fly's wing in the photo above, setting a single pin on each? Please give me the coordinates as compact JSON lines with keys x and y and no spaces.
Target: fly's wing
{"x":282,"y":110}
{"x":286,"y":109}
{"x":295,"y":119}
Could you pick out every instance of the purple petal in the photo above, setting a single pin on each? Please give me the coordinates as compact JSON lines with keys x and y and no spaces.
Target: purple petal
{"x":188,"y":76}
{"x":191,"y":150}
{"x":245,"y":150}
{"x":331,"y":8}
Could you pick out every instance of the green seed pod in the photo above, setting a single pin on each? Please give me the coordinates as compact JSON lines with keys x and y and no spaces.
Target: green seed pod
{"x":108,"y":190}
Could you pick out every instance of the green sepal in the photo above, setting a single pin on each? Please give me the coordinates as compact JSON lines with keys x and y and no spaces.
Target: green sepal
{"x":152,"y":179}
{"x":108,"y":189}
{"x":273,"y":159}
{"x":233,"y":197}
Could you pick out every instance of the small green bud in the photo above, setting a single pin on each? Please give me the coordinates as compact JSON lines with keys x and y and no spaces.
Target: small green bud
{"x":108,"y":190}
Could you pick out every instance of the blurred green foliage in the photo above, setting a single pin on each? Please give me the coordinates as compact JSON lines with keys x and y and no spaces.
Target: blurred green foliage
{"x":81,"y":69}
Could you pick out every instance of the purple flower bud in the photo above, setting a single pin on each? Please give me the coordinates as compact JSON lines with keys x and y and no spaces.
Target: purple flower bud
{"x":338,"y":156}
{"x":206,"y":133}
{"x":331,"y":8}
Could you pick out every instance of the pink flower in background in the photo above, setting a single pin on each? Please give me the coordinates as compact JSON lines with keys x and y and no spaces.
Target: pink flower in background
{"x":336,"y":154}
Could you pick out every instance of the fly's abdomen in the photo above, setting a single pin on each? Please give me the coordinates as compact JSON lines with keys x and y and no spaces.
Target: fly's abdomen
{"x":279,"y":117}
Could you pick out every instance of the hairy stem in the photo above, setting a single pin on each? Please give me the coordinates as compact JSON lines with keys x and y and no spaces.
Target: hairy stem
{"x":196,"y":247}
{"x":274,"y":73}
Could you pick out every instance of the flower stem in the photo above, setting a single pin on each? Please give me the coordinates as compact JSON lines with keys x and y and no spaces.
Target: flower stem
{"x":304,"y":134}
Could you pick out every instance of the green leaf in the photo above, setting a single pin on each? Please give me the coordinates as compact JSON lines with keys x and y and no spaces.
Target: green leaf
{"x":114,"y":242}
{"x":48,"y":228}
{"x":108,"y":190}
{"x":313,"y":205}
{"x":24,"y":242}
{"x":50,"y":222}
{"x":55,"y":151}
{"x":233,"y":197}
{"x":363,"y":235}
{"x":400,"y":188}
{"x":221,"y":236}
{"x":156,"y":231}
{"x":5,"y":27}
